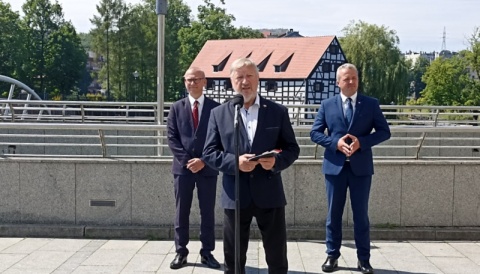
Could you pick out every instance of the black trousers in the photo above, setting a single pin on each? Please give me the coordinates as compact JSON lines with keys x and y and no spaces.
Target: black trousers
{"x":206,"y":190}
{"x":271,"y":222}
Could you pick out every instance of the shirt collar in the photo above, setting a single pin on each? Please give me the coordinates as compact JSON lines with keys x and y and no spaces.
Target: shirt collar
{"x":353,"y":97}
{"x":257,"y":101}
{"x":200,"y":99}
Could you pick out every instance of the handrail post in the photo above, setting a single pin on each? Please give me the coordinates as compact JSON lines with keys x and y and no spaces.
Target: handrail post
{"x":63,"y":112}
{"x":12,"y":111}
{"x":435,"y":122}
{"x":420,"y":144}
{"x":102,"y":142}
{"x":82,"y":111}
{"x":298,"y":116}
{"x":25,"y":111}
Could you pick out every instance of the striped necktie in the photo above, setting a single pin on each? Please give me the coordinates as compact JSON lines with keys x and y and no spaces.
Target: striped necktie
{"x":195,"y":114}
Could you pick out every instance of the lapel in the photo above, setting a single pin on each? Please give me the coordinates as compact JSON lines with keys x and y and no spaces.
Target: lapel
{"x":341,"y":110}
{"x":358,"y":107}
{"x":262,"y":111}
{"x":241,"y":127}
{"x":205,"y":113}
{"x":188,"y":112}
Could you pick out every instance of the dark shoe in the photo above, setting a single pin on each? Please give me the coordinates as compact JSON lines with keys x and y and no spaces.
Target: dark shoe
{"x":330,"y":264}
{"x":210,"y":261}
{"x":365,"y":267}
{"x":179,"y":261}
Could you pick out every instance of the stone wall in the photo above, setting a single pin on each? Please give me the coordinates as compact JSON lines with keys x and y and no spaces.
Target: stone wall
{"x":140,"y":193}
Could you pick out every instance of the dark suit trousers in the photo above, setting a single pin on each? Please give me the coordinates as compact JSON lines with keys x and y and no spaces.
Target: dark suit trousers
{"x":336,"y":188}
{"x":271,"y":223}
{"x":206,"y":189}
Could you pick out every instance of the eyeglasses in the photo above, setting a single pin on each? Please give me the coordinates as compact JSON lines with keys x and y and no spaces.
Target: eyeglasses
{"x":193,"y":80}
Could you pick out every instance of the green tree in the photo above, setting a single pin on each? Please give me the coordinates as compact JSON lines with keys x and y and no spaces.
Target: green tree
{"x":473,"y":55}
{"x":65,"y":59}
{"x":247,"y":32}
{"x":54,"y":60}
{"x":177,"y":18}
{"x":86,"y":39}
{"x":133,"y":45}
{"x":109,"y":12}
{"x":416,"y":74}
{"x":446,"y":80}
{"x":135,"y":50}
{"x":11,"y":43}
{"x":117,"y":50}
{"x":473,"y":58}
{"x":212,"y":23}
{"x":41,"y":18}
{"x":382,"y":68}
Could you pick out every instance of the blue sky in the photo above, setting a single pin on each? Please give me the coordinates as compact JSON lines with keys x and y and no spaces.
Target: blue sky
{"x":419,"y":24}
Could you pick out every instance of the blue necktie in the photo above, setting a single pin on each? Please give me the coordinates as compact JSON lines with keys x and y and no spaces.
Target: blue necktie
{"x":349,"y":111}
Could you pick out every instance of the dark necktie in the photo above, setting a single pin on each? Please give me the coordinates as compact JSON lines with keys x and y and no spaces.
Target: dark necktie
{"x":349,"y":111}
{"x":195,"y":114}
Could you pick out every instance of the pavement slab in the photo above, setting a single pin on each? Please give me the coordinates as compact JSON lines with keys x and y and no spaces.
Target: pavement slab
{"x":85,"y":256}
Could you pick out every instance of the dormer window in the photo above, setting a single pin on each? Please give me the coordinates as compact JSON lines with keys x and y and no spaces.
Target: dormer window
{"x":264,"y":60}
{"x":282,"y":63}
{"x":219,"y":64}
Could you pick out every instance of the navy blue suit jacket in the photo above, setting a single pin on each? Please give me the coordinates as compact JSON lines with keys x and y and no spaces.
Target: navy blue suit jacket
{"x":274,"y":131}
{"x":184,"y":142}
{"x":367,"y":117}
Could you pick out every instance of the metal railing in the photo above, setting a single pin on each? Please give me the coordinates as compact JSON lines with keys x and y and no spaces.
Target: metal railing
{"x":78,"y":111}
{"x":145,"y":112}
{"x":25,"y":139}
{"x":102,"y":140}
{"x":130,"y":129}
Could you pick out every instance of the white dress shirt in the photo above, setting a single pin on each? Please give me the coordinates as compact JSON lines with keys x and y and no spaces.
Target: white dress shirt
{"x":250,"y":119}
{"x":200,"y":100}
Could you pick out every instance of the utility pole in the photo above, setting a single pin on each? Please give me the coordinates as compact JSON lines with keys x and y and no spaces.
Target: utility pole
{"x":444,"y":40}
{"x":161,"y":10}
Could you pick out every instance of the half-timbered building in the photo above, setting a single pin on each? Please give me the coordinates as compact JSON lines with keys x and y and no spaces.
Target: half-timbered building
{"x":294,"y":70}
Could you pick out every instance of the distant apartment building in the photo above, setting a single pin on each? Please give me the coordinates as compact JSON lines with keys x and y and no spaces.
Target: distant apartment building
{"x":414,"y":56}
{"x":280,"y":33}
{"x":94,"y":63}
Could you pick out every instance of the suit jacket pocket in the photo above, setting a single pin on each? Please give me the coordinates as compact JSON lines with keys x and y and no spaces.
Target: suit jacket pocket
{"x":272,"y":128}
{"x":271,"y":132}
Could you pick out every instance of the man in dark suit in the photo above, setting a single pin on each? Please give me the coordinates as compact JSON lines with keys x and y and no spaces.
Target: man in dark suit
{"x":264,"y":126}
{"x":349,"y":119}
{"x":187,"y":129}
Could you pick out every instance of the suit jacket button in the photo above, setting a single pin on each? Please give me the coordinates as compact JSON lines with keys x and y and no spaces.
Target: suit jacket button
{"x":193,"y":150}
{"x":251,"y":175}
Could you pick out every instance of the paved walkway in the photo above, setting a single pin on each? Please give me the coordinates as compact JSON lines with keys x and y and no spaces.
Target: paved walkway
{"x":34,"y":255}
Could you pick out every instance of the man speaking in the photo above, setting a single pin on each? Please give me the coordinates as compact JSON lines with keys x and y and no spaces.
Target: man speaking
{"x":264,"y":126}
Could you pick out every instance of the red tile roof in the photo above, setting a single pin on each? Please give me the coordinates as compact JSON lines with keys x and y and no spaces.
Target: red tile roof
{"x":307,"y":51}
